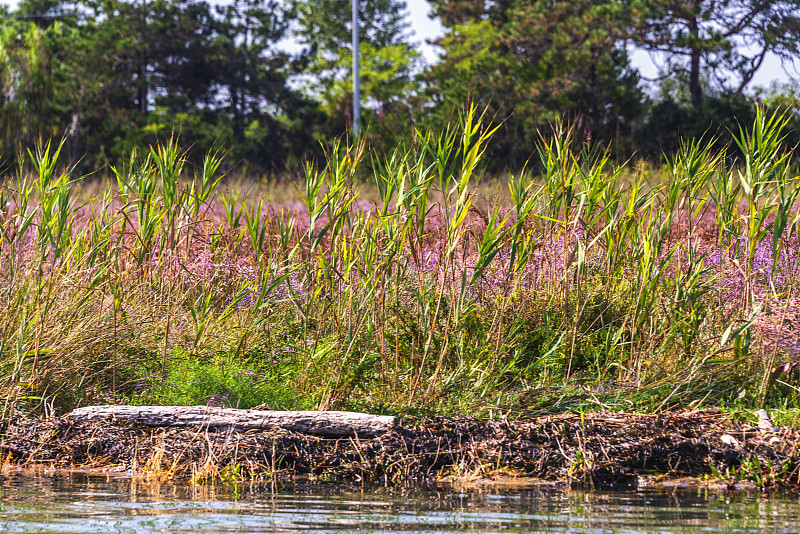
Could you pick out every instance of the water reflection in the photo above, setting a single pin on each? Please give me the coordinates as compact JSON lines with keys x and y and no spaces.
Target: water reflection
{"x":78,"y":503}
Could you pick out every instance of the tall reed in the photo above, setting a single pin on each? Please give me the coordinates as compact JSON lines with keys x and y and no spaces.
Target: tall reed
{"x":586,"y":283}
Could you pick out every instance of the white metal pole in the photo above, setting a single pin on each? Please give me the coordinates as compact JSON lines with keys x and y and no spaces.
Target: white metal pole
{"x":356,"y":81}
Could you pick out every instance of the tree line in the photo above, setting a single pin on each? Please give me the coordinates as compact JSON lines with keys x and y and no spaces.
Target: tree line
{"x":269,"y":80}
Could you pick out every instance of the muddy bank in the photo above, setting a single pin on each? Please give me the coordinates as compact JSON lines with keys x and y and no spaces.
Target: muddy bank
{"x":608,"y":450}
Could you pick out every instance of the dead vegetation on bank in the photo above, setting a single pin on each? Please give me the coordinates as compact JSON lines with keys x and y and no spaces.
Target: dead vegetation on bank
{"x":601,"y":449}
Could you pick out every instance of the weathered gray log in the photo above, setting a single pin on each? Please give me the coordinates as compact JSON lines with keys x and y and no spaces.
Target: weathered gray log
{"x":328,"y":424}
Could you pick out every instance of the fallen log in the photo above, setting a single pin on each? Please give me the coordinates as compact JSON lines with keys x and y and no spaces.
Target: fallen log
{"x":326,"y":424}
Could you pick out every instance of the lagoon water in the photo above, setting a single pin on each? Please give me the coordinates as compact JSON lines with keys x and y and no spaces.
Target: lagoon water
{"x":77,"y":503}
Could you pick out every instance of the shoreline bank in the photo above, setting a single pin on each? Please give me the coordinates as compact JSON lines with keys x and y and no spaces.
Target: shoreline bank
{"x":608,"y":450}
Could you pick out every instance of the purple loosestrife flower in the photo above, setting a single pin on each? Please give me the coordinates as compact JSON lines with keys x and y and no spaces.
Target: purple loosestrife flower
{"x":790,"y":346}
{"x":600,"y":389}
{"x":250,"y":299}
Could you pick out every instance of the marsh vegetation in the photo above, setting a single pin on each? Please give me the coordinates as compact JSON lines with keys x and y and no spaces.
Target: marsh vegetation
{"x":409,"y":283}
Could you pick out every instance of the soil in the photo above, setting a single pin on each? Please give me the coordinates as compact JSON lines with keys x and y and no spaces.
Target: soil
{"x":594,"y":450}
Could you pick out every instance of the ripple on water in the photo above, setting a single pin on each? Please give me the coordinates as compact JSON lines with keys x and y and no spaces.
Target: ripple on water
{"x":77,"y":503}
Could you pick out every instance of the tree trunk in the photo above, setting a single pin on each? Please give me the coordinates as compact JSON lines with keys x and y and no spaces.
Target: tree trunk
{"x":695,"y":89}
{"x":594,"y":111}
{"x":237,"y":106}
{"x":327,"y":424}
{"x":141,"y":71}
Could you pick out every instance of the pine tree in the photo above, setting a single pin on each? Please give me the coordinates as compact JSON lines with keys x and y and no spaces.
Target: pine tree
{"x":530,"y":63}
{"x":388,"y":61}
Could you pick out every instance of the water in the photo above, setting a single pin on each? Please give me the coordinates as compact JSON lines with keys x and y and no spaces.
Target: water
{"x":81,"y":504}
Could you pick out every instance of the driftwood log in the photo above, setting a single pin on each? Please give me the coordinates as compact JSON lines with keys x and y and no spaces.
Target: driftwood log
{"x":327,"y":424}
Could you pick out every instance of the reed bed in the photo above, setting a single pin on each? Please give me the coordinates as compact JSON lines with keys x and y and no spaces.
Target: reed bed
{"x":587,"y":285}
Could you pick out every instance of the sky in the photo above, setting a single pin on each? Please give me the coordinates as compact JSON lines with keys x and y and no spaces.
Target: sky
{"x":425,"y":29}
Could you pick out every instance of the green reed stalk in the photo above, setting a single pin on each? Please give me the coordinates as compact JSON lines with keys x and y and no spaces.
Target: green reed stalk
{"x":691,"y":171}
{"x":521,"y":242}
{"x":457,"y":202}
{"x":200,"y":193}
{"x":169,"y":160}
{"x":726,"y":193}
{"x":256,"y":228}
{"x":233,"y":216}
{"x":766,"y":164}
{"x":138,"y":188}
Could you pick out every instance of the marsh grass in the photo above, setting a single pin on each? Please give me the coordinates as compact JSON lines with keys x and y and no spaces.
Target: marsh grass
{"x":582,"y":285}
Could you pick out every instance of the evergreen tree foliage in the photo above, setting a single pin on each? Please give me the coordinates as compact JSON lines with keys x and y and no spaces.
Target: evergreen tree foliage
{"x":722,"y":40}
{"x":110,"y":75}
{"x":269,"y":79}
{"x":389,"y":63}
{"x":531,"y":62}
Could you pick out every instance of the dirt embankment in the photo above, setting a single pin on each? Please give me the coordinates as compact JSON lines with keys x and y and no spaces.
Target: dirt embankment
{"x":601,"y":449}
